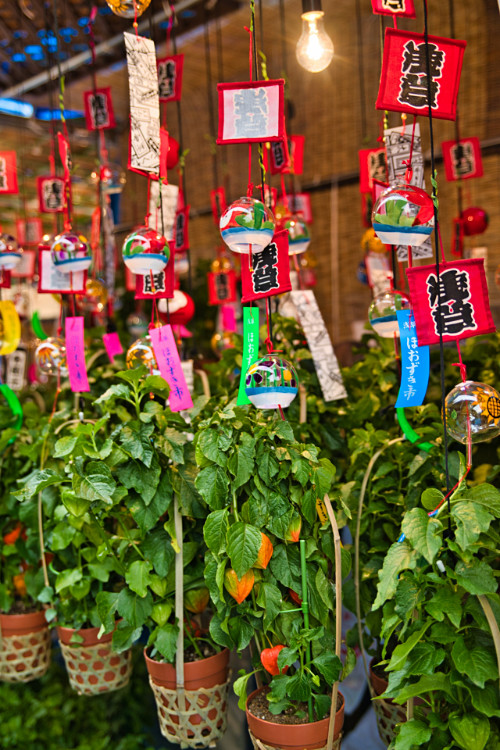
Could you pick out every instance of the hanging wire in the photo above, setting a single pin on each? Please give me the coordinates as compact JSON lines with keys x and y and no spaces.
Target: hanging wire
{"x":437,"y":254}
{"x":361,"y":71}
{"x":210,"y":101}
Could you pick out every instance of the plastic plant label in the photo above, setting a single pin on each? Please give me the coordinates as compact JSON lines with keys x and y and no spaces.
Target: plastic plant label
{"x":170,"y":367}
{"x":250,"y":348}
{"x":75,"y":355}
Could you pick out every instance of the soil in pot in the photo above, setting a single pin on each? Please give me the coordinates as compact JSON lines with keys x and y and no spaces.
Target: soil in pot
{"x":259,"y":707}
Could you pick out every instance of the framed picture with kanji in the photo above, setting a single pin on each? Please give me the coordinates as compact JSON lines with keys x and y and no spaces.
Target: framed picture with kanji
{"x":251,"y":112}
{"x":99,"y":114}
{"x":50,"y":194}
{"x":170,"y":77}
{"x":462,"y":159}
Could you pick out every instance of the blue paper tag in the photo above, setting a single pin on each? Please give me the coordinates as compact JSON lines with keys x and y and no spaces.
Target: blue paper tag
{"x":414,"y":363}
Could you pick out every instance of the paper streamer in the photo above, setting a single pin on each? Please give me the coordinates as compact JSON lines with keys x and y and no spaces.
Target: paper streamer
{"x":414,"y":363}
{"x":250,"y":348}
{"x":170,"y":367}
{"x":228,"y":318}
{"x":144,"y":104}
{"x":75,"y":355}
{"x":113,"y":345}
{"x":37,"y":327}
{"x":11,"y":327}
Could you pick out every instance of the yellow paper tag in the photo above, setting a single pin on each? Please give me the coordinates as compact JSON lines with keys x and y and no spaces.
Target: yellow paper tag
{"x":321,"y":510}
{"x":10,"y":327}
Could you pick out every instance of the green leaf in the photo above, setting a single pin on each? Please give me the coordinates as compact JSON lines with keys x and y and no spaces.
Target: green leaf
{"x":470,"y":732}
{"x":446,"y":602}
{"x":476,"y":577}
{"x":133,"y":376}
{"x":424,"y":659}
{"x":412,"y":734}
{"x":431,"y":497}
{"x":166,"y":641}
{"x":285,"y":566}
{"x":213,"y":485}
{"x":62,"y":536}
{"x":475,"y":661}
{"x":115,"y":391}
{"x":208,"y":446}
{"x":159,"y":551}
{"x":283,"y":429}
{"x":240,"y":631}
{"x":486,"y":700}
{"x":156,"y":383}
{"x":135,"y":475}
{"x":218,"y":633}
{"x":401,"y":651}
{"x":96,"y":483}
{"x":241,"y":463}
{"x":425,"y":684}
{"x":243,"y":544}
{"x":240,"y":688}
{"x":298,"y":687}
{"x":422,"y":532}
{"x":138,"y":577}
{"x":399,"y":557}
{"x":135,"y":438}
{"x":64,"y":446}
{"x":74,"y":505}
{"x":124,"y":636}
{"x":106,"y":607}
{"x":37,"y":482}
{"x":329,"y":665}
{"x":487,"y":496}
{"x":147,"y":516}
{"x":215,"y":530}
{"x":269,"y":598}
{"x":67,"y":578}
{"x":472,"y":519}
{"x":133,"y":608}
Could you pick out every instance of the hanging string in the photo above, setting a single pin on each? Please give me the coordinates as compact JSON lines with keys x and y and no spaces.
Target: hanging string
{"x":361,"y":72}
{"x":210,"y":102}
{"x":436,"y":243}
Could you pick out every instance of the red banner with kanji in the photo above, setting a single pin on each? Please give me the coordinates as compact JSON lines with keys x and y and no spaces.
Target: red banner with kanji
{"x":8,"y":173}
{"x":403,"y":8}
{"x":462,"y":159}
{"x":270,"y":271}
{"x":221,"y":287}
{"x":99,"y":114}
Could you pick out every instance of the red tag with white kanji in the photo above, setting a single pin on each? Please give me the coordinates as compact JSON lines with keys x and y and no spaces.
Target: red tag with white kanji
{"x":50,"y":194}
{"x":403,"y":8}
{"x":404,"y":77}
{"x":372,"y":166}
{"x":65,"y":154}
{"x":8,"y":173}
{"x":170,"y":77}
{"x":270,"y":272}
{"x":251,"y":112}
{"x":455,"y":304}
{"x":99,"y":114}
{"x":277,"y":157}
{"x":462,"y":159}
{"x":221,"y":287}
{"x":181,"y":230}
{"x":5,"y":277}
{"x":159,"y":285}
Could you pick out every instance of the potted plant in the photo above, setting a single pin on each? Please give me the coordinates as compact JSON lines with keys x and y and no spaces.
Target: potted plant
{"x":263,"y":489}
{"x":439,"y":594}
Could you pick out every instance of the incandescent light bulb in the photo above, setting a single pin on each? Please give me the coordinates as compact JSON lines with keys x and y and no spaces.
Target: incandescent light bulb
{"x":314,"y":48}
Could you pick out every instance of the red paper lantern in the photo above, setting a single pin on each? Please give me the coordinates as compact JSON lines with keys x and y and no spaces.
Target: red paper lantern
{"x":475,"y":220}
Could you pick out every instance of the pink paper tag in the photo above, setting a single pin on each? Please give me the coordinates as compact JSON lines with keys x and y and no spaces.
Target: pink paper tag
{"x":228,"y":318}
{"x":113,"y":345}
{"x":75,"y":355}
{"x":170,"y":367}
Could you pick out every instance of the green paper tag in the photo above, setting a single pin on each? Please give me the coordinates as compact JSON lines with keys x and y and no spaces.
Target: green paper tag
{"x":250,"y":348}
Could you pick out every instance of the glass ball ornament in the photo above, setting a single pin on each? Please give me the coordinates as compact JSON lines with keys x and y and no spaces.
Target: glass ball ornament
{"x":95,"y":298}
{"x":10,"y":252}
{"x":50,"y":356}
{"x":382,"y":313}
{"x":141,"y":353}
{"x":403,"y":215}
{"x":247,"y":225}
{"x":144,"y":250}
{"x":474,"y":405}
{"x":111,"y":176}
{"x":181,"y":265}
{"x":137,"y":324}
{"x":222,"y":341}
{"x":298,"y":234}
{"x":271,"y":382}
{"x":474,"y":221}
{"x":370,"y":243}
{"x":71,"y":252}
{"x":128,"y":8}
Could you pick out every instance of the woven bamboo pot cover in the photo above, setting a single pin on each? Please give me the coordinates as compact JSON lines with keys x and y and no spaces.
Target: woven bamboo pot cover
{"x":388,"y":715}
{"x":24,"y":657}
{"x":96,"y":669}
{"x":203,"y":722}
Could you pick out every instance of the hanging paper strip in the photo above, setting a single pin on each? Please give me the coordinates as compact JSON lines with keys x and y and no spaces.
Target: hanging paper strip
{"x":11,"y":327}
{"x":65,"y":154}
{"x":456,"y":305}
{"x":112,"y":344}
{"x":4,"y":278}
{"x":29,"y":231}
{"x":414,"y":363}
{"x":251,"y":112}
{"x":300,"y":203}
{"x":318,"y":338}
{"x":144,"y":104}
{"x":250,"y":348}
{"x":277,"y":157}
{"x":98,"y":105}
{"x":161,"y":286}
{"x":181,"y":232}
{"x":53,"y":281}
{"x":170,"y":78}
{"x":404,"y":8}
{"x":162,"y":212}
{"x":8,"y":173}
{"x":462,"y":160}
{"x":170,"y":367}
{"x":16,"y":369}
{"x":228,"y":318}
{"x":75,"y":354}
{"x":25,"y":269}
{"x":398,"y":145}
{"x":404,"y":77}
{"x":50,"y":194}
{"x":221,"y":287}
{"x":372,"y":166}
{"x":270,"y":273}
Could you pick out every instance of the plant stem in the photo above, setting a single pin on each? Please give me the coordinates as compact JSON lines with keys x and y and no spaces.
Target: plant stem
{"x":305,"y":610}
{"x":191,"y":639}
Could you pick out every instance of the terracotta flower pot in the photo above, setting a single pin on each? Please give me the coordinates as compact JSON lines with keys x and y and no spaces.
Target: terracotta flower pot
{"x":93,"y":667}
{"x":388,"y":714}
{"x":203,"y":719}
{"x":24,"y":647}
{"x":309,"y":736}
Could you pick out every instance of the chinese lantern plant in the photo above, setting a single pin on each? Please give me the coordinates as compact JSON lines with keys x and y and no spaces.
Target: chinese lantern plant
{"x":439,"y":595}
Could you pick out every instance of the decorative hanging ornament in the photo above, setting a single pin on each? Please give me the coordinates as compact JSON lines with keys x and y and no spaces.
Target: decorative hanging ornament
{"x":222,"y":341}
{"x":141,"y":353}
{"x":111,"y":176}
{"x":247,"y":225}
{"x":403,"y":215}
{"x":10,"y":252}
{"x":271,"y":382}
{"x":144,"y":251}
{"x":95,"y":298}
{"x":181,"y":265}
{"x":128,"y":8}
{"x":474,"y":221}
{"x":298,"y":234}
{"x":475,"y":407}
{"x":50,"y":356}
{"x":180,"y":308}
{"x":370,"y":243}
{"x":137,"y":324}
{"x":382,"y":313}
{"x":220,"y":264}
{"x":71,"y":252}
